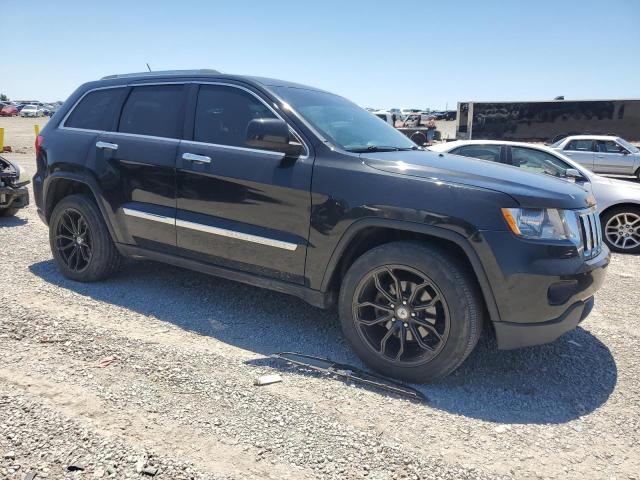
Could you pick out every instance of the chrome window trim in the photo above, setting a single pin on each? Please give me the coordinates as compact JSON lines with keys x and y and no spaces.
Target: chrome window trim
{"x":231,"y":147}
{"x":189,"y":82}
{"x":223,"y":232}
{"x":149,"y":216}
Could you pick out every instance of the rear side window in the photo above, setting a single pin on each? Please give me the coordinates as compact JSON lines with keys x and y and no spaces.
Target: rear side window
{"x":579,"y":145}
{"x":484,"y":152}
{"x":154,"y":110}
{"x":98,"y":110}
{"x":223,"y":114}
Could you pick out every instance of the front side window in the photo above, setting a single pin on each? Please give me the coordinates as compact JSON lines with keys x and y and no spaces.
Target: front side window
{"x":98,"y":110}
{"x":609,"y":146}
{"x":154,"y":110}
{"x":342,"y":122}
{"x":579,"y":145}
{"x":538,"y":161}
{"x":483,"y":152}
{"x":223,"y":114}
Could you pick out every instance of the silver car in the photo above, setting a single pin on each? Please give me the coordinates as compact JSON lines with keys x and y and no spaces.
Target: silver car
{"x":618,"y":200}
{"x":601,"y":153}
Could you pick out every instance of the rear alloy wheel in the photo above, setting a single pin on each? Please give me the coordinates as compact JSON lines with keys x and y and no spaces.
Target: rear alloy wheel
{"x":622,"y":230}
{"x":73,"y":240}
{"x":410,"y":311}
{"x":80,"y":241}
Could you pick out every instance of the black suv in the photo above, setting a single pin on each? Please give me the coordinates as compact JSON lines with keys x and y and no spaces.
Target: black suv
{"x":295,"y":189}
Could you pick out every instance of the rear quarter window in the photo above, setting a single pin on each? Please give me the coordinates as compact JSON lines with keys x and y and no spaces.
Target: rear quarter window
{"x":98,"y":110}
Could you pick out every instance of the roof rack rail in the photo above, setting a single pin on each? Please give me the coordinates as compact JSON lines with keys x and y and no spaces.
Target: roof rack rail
{"x":162,"y":73}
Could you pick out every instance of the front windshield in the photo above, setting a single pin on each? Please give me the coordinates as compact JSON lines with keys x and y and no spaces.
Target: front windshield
{"x":627,"y":145}
{"x":342,"y":122}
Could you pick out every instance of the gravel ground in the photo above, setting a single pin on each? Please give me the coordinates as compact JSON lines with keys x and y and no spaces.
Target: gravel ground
{"x":178,"y":399}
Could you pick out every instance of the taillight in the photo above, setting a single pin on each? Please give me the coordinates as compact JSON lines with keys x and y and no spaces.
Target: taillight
{"x":39,"y":140}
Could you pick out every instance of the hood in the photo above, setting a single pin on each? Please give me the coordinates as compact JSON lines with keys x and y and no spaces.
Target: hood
{"x":527,"y":188}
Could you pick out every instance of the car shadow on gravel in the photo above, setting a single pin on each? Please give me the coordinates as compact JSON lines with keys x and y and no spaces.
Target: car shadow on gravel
{"x":12,"y":222}
{"x":552,"y":383}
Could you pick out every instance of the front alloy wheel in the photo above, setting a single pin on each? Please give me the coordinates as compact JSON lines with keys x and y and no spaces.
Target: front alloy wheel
{"x":411,"y":310}
{"x":401,"y":314}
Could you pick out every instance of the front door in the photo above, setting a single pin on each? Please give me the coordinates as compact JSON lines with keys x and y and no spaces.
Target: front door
{"x":240,"y":207}
{"x":611,"y":158}
{"x":581,"y":151}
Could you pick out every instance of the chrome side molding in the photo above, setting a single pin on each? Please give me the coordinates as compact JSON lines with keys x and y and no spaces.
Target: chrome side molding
{"x":223,"y":232}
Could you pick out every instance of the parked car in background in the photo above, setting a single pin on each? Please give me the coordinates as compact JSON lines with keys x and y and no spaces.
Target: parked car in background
{"x":601,"y":153}
{"x":296,"y":189}
{"x":14,"y":194}
{"x":388,"y":117}
{"x":618,"y":200}
{"x":9,"y":111}
{"x":32,"y":111}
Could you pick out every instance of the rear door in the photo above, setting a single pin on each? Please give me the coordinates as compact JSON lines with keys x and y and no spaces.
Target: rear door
{"x":580,"y":150}
{"x":611,"y":158}
{"x":240,"y":207}
{"x":139,"y":159}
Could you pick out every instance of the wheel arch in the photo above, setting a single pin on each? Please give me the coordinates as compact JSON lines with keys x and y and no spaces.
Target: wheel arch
{"x":62,"y":184}
{"x":366,"y":234}
{"x":619,"y":206}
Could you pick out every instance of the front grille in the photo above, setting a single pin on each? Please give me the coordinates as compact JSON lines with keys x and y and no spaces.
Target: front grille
{"x":591,"y":233}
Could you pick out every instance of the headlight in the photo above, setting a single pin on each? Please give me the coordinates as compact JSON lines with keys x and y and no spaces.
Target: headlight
{"x":543,"y":223}
{"x":23,"y":177}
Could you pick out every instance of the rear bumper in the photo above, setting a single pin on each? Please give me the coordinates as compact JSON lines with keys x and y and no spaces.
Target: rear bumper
{"x":14,"y":197}
{"x":518,"y":335}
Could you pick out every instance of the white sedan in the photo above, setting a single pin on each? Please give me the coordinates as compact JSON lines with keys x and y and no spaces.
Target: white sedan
{"x":601,"y":153}
{"x":618,"y":200}
{"x":32,"y":111}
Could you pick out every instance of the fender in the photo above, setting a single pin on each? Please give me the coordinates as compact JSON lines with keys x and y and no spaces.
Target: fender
{"x":463,"y":242}
{"x":87,"y":180}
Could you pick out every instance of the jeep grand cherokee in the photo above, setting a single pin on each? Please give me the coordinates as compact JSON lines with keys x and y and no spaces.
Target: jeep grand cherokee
{"x":292,"y":188}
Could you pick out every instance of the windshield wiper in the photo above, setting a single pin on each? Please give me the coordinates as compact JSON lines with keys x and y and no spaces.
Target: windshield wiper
{"x":380,"y":148}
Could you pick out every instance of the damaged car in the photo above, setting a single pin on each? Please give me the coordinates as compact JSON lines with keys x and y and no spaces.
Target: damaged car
{"x":13,"y":188}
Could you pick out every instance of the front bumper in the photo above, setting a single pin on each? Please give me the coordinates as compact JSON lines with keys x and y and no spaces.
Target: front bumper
{"x":11,"y":197}
{"x":541,"y":290}
{"x":518,"y":335}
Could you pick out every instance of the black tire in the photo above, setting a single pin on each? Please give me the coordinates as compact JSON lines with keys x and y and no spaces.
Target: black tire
{"x":615,"y":222}
{"x":103,"y":259}
{"x":8,"y":212}
{"x":450,"y":279}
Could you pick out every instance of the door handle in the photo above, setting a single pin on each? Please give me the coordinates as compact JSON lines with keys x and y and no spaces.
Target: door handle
{"x":192,"y":157}
{"x":106,"y":146}
{"x":600,"y":156}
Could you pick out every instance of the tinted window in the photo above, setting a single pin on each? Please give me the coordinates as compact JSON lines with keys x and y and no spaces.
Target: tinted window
{"x":579,"y":145}
{"x":98,"y":110}
{"x":155,"y":110}
{"x":223,"y":114}
{"x":538,"y":161}
{"x":484,"y":152}
{"x":609,"y":146}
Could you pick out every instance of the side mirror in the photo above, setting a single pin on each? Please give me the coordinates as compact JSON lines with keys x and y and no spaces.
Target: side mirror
{"x":272,"y":134}
{"x":625,"y":152}
{"x":573,"y":174}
